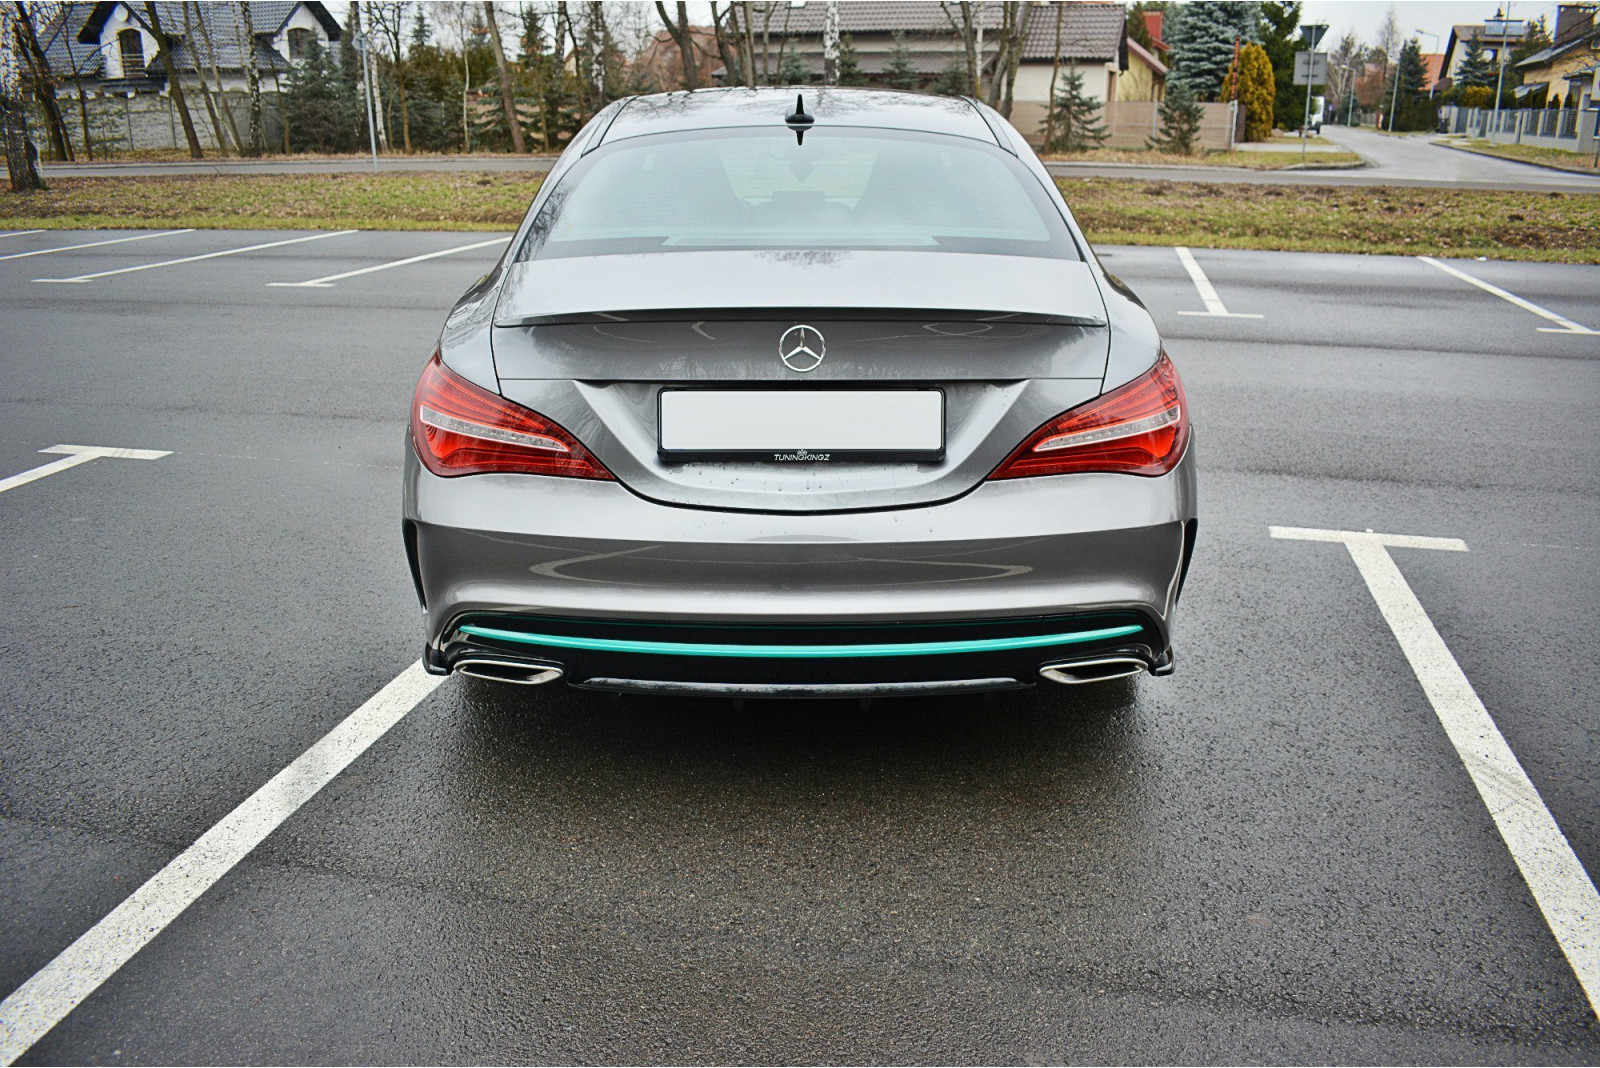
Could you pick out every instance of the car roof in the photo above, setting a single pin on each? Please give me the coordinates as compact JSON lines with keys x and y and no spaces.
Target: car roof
{"x":710,"y":109}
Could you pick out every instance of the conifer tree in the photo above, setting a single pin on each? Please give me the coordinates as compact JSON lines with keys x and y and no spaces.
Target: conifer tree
{"x":899,"y":73}
{"x":1075,"y":124}
{"x":1202,"y":37}
{"x":319,"y":105}
{"x":1475,"y":67}
{"x":849,"y":63}
{"x":1256,"y":91}
{"x":1180,"y":122}
{"x":952,"y":80}
{"x":793,"y":68}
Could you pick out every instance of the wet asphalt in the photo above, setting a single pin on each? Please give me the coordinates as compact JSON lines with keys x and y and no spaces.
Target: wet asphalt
{"x":1273,"y":855}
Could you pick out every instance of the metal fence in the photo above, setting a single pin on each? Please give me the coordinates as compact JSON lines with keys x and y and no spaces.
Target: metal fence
{"x":1567,"y":128}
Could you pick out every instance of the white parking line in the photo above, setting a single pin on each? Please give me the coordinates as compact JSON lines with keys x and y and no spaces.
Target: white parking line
{"x":203,"y":256}
{"x":21,"y":233}
{"x":324,"y":283}
{"x":1562,"y":888}
{"x":1565,"y":325}
{"x":75,"y":455}
{"x":88,"y":244}
{"x":60,"y":986}
{"x":1208,"y":292}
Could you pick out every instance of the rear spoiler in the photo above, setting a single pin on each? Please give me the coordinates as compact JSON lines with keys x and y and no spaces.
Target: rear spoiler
{"x":695,"y":286}
{"x":776,"y":314}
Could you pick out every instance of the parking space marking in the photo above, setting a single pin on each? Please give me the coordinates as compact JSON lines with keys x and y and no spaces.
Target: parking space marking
{"x":1565,"y":325}
{"x":203,"y":256}
{"x":21,"y":233}
{"x":1561,"y":887}
{"x":88,"y":244}
{"x":36,"y":1006}
{"x":73,"y":456}
{"x":324,"y":283}
{"x":1208,"y":292}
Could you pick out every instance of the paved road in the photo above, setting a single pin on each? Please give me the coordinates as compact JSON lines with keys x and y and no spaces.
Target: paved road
{"x":1273,"y":855}
{"x":1412,"y":158}
{"x":1400,"y":161}
{"x":353,"y":165}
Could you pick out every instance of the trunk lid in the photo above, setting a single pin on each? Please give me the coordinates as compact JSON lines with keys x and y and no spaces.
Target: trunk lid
{"x":1010,"y":341}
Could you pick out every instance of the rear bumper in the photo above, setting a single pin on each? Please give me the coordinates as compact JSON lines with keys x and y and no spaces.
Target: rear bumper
{"x":624,"y":593}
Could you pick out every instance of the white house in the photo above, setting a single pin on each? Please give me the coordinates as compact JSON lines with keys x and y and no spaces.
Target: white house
{"x":108,"y":47}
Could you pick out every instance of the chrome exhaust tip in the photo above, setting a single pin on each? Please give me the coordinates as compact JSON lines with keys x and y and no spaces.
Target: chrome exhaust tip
{"x":516,"y":672}
{"x":1098,"y":669}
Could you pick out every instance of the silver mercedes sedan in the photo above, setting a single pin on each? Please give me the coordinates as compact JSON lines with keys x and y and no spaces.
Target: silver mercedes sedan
{"x":814,"y":393}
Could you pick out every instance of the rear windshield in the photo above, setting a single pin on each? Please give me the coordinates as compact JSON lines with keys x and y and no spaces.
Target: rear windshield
{"x":759,"y":189}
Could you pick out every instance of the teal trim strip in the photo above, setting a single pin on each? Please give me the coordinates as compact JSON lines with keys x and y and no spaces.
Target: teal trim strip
{"x":797,"y":652}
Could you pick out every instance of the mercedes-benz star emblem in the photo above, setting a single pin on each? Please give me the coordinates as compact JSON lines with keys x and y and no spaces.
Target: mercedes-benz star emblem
{"x":801,"y":348}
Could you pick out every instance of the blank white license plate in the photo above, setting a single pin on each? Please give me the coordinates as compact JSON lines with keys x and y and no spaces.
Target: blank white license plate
{"x":802,"y":425}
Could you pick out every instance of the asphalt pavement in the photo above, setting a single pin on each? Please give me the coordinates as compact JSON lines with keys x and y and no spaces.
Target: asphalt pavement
{"x":1403,"y":160}
{"x":1276,"y":854}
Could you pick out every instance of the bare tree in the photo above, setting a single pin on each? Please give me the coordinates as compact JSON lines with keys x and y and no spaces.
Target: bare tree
{"x":245,"y":34}
{"x":517,"y":144}
{"x":684,"y":39}
{"x":1014,"y":20}
{"x":1055,"y":72}
{"x":44,"y":86}
{"x":205,"y":89}
{"x":388,"y":19}
{"x":174,"y":83}
{"x":598,"y":37}
{"x":725,"y":26}
{"x":830,"y":44}
{"x":21,"y":156}
{"x":222,"y":96}
{"x":969,"y":29}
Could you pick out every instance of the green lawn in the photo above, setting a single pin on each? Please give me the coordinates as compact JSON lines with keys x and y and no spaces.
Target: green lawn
{"x":1443,"y":222}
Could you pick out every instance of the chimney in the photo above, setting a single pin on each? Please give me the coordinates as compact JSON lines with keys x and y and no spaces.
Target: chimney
{"x":1573,"y":20}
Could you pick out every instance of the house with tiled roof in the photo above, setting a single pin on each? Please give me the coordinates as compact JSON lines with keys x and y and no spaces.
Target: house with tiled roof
{"x":1093,"y":41}
{"x":1455,"y":47}
{"x":107,"y":48}
{"x":1565,"y":73}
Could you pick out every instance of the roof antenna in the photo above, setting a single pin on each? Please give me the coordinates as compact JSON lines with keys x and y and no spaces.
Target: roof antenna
{"x":799,"y":119}
{"x":799,"y":116}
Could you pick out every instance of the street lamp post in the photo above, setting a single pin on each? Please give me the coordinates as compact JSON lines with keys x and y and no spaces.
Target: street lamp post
{"x":1432,"y":82}
{"x":1506,"y":27}
{"x":1394,"y":98}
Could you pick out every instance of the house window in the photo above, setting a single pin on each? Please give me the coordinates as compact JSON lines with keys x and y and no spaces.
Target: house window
{"x":131,"y":47}
{"x":300,"y":43}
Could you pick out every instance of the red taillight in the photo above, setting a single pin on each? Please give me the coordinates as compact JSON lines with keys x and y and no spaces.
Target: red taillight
{"x":460,"y":429}
{"x":1136,"y":429}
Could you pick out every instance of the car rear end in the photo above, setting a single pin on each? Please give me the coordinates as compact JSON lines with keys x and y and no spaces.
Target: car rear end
{"x":755,"y":410}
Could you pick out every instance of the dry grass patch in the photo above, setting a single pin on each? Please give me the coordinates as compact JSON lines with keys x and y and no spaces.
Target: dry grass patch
{"x":1382,"y":220}
{"x":1441,"y":222}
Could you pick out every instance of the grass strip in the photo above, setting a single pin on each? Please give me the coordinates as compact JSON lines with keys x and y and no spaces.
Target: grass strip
{"x":1518,"y":225}
{"x":1559,"y":158}
{"x":1275,"y":159}
{"x":1380,"y":220}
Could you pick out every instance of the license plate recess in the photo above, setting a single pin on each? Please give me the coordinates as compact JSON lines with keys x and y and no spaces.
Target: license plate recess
{"x":801,"y":425}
